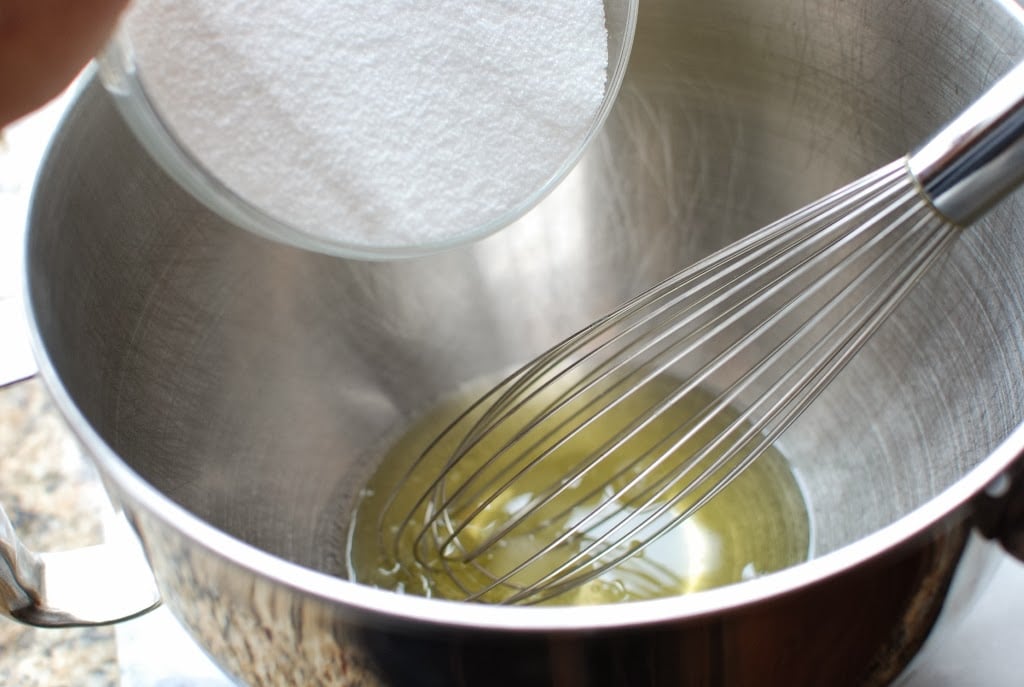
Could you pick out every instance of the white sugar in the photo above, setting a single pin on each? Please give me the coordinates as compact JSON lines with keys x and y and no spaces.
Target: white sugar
{"x":385,"y":123}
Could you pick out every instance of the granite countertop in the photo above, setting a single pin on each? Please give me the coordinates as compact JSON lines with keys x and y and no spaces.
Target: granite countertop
{"x":55,"y":501}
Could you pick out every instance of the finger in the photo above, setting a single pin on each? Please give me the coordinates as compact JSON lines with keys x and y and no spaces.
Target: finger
{"x":43,"y":46}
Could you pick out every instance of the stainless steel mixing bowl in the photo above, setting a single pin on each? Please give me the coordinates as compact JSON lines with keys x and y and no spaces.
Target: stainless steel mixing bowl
{"x":235,"y":392}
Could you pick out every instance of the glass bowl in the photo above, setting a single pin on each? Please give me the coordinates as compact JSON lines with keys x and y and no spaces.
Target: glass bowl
{"x":121,"y":75}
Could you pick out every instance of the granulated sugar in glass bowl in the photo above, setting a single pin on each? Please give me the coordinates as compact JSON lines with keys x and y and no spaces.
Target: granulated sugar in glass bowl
{"x":369,"y":129}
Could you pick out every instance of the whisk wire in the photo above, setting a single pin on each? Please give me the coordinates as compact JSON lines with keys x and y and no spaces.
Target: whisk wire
{"x":744,"y":306}
{"x":799,"y":394}
{"x":835,"y":358}
{"x":610,"y":365}
{"x":448,"y":541}
{"x":594,"y":372}
{"x":630,"y":383}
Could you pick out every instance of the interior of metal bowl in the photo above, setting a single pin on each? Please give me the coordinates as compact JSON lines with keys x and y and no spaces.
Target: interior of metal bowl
{"x":256,"y":384}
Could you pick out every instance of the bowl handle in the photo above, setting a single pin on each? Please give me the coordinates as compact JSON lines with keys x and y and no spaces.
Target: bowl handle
{"x":93,"y":585}
{"x":1012,"y":530}
{"x":1000,"y":509}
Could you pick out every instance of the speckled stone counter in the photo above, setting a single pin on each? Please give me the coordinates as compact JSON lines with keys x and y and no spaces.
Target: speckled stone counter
{"x":55,"y":502}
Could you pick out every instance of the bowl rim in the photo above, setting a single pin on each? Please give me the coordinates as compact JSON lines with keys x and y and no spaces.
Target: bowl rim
{"x":380,"y":606}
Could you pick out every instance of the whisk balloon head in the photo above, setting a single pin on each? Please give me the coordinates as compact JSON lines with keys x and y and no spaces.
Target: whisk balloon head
{"x":588,"y":454}
{"x":584,"y":457}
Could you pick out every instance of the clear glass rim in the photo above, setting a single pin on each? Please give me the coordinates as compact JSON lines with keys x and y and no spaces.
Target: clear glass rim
{"x":120,"y":77}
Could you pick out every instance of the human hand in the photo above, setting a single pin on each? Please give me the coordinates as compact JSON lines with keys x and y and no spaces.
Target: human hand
{"x":43,"y":46}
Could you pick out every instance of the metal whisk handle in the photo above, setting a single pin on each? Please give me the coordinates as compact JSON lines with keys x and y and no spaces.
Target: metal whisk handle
{"x":978,"y":157}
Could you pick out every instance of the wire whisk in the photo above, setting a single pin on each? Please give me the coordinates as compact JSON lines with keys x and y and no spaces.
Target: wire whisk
{"x":583,"y":457}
